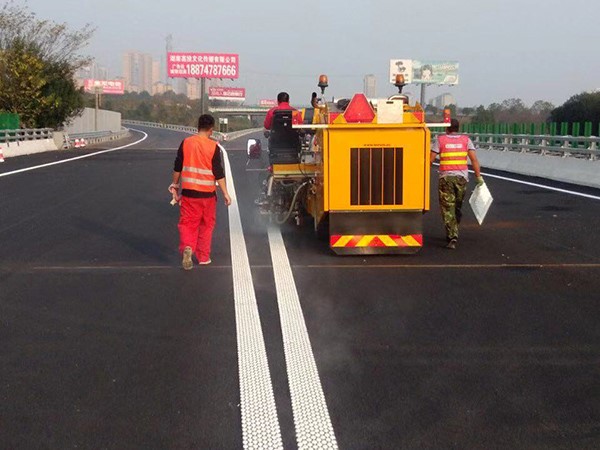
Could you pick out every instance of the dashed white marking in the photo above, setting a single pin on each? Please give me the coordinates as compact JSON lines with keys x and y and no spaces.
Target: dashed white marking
{"x":260,"y":425}
{"x":63,"y":161}
{"x":311,"y":416}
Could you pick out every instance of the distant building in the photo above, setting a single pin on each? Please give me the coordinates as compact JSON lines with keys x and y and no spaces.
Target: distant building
{"x":193,"y":89}
{"x":441,"y":101}
{"x":93,"y":71}
{"x":370,"y":86}
{"x":138,"y":71}
{"x":180,"y":86}
{"x":160,"y":88}
{"x":156,"y":72}
{"x":194,"y":86}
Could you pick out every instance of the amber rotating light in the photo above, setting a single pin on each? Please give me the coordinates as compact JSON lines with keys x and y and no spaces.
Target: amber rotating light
{"x":323,"y":83}
{"x":400,"y":82}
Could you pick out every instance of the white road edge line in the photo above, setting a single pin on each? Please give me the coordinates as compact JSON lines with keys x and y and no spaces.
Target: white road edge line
{"x":528,"y":183}
{"x":27,"y":169}
{"x":260,"y":424}
{"x":543,"y":186}
{"x":311,"y":416}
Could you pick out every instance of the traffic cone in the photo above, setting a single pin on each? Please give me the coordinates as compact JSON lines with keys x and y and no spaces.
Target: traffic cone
{"x":77,"y":143}
{"x":82,"y":144}
{"x":1,"y":155}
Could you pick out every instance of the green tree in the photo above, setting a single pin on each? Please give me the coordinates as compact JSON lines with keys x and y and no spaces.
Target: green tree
{"x":584,"y":107}
{"x":38,"y":60}
{"x":542,"y":108}
{"x":483,"y":115}
{"x":21,"y":83}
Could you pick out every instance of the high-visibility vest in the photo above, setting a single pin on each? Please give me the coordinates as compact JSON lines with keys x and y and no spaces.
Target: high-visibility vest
{"x":453,"y":152}
{"x":197,"y":173}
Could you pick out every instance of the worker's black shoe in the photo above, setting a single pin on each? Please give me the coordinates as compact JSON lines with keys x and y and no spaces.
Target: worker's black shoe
{"x":452,"y":244}
{"x":187,"y":262}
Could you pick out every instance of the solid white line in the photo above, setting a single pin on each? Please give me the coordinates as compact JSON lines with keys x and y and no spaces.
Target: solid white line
{"x":528,"y":183}
{"x":27,"y":169}
{"x":311,"y":416}
{"x":543,"y":186}
{"x":260,"y":425}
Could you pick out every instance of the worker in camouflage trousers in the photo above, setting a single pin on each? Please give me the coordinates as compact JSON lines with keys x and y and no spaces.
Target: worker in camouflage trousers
{"x":453,"y":150}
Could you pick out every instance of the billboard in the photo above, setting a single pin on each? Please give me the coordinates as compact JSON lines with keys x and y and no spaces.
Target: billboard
{"x":267,"y":103}
{"x":111,"y":87}
{"x":203,"y":65}
{"x":425,"y":72}
{"x":435,"y":72}
{"x":227,"y":93}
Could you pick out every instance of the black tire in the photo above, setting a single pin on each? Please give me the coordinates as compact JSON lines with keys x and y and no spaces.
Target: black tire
{"x":322,"y":228}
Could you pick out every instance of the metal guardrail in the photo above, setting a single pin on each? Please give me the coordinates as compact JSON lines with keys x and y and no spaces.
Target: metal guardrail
{"x":239,"y":110}
{"x":90,"y":135}
{"x":28,"y":134}
{"x":97,"y":137}
{"x":192,"y":130}
{"x":564,"y":146}
{"x":166,"y":126}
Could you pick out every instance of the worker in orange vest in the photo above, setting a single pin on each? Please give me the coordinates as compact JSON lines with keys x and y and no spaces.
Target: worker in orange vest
{"x":197,"y":170}
{"x":453,"y":149}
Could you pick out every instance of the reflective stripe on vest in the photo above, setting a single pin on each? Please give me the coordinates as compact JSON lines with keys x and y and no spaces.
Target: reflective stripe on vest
{"x":197,"y":174}
{"x":453,"y":152}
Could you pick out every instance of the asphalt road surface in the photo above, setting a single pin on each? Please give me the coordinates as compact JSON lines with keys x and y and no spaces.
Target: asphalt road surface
{"x":108,"y":344}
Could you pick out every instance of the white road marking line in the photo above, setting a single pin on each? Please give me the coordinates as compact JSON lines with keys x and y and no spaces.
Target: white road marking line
{"x":311,"y":416}
{"x":260,"y":424}
{"x":543,"y":186}
{"x":27,"y":169}
{"x":528,"y":183}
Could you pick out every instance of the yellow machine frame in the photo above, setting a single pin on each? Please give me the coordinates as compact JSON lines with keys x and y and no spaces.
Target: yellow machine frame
{"x":369,"y":181}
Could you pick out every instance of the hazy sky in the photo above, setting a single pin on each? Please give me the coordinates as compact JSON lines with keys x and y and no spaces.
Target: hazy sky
{"x":511,"y":48}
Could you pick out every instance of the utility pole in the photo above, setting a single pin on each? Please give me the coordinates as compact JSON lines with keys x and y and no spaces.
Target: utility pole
{"x":202,"y":90}
{"x":169,"y":49}
{"x":423,"y":89}
{"x":97,"y":91}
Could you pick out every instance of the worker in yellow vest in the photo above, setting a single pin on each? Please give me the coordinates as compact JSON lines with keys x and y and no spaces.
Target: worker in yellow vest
{"x":453,"y":150}
{"x":197,"y":170}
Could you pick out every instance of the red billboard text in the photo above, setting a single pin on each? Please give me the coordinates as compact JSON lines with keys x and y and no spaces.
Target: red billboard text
{"x":203,"y":65}
{"x":267,"y":103}
{"x":227,"y":93}
{"x":114,"y":87}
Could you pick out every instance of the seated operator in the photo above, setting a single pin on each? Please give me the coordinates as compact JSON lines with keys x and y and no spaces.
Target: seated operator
{"x":283,"y":102}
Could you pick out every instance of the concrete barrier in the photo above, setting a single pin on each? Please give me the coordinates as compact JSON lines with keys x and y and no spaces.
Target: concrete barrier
{"x":85,"y":123}
{"x":583,"y":172}
{"x":239,"y":134}
{"x":20,"y":148}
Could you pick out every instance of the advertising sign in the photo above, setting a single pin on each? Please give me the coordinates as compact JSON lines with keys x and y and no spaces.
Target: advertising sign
{"x":435,"y":72}
{"x":226,"y":93}
{"x":203,"y":65}
{"x":267,"y":103}
{"x":111,"y":87}
{"x":402,"y":67}
{"x":424,"y":72}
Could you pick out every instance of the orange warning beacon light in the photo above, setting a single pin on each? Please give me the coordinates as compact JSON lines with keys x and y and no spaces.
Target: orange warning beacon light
{"x":323,"y":83}
{"x":400,"y":82}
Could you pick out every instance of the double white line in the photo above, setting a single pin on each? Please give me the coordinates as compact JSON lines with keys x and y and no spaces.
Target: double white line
{"x":260,"y":424}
